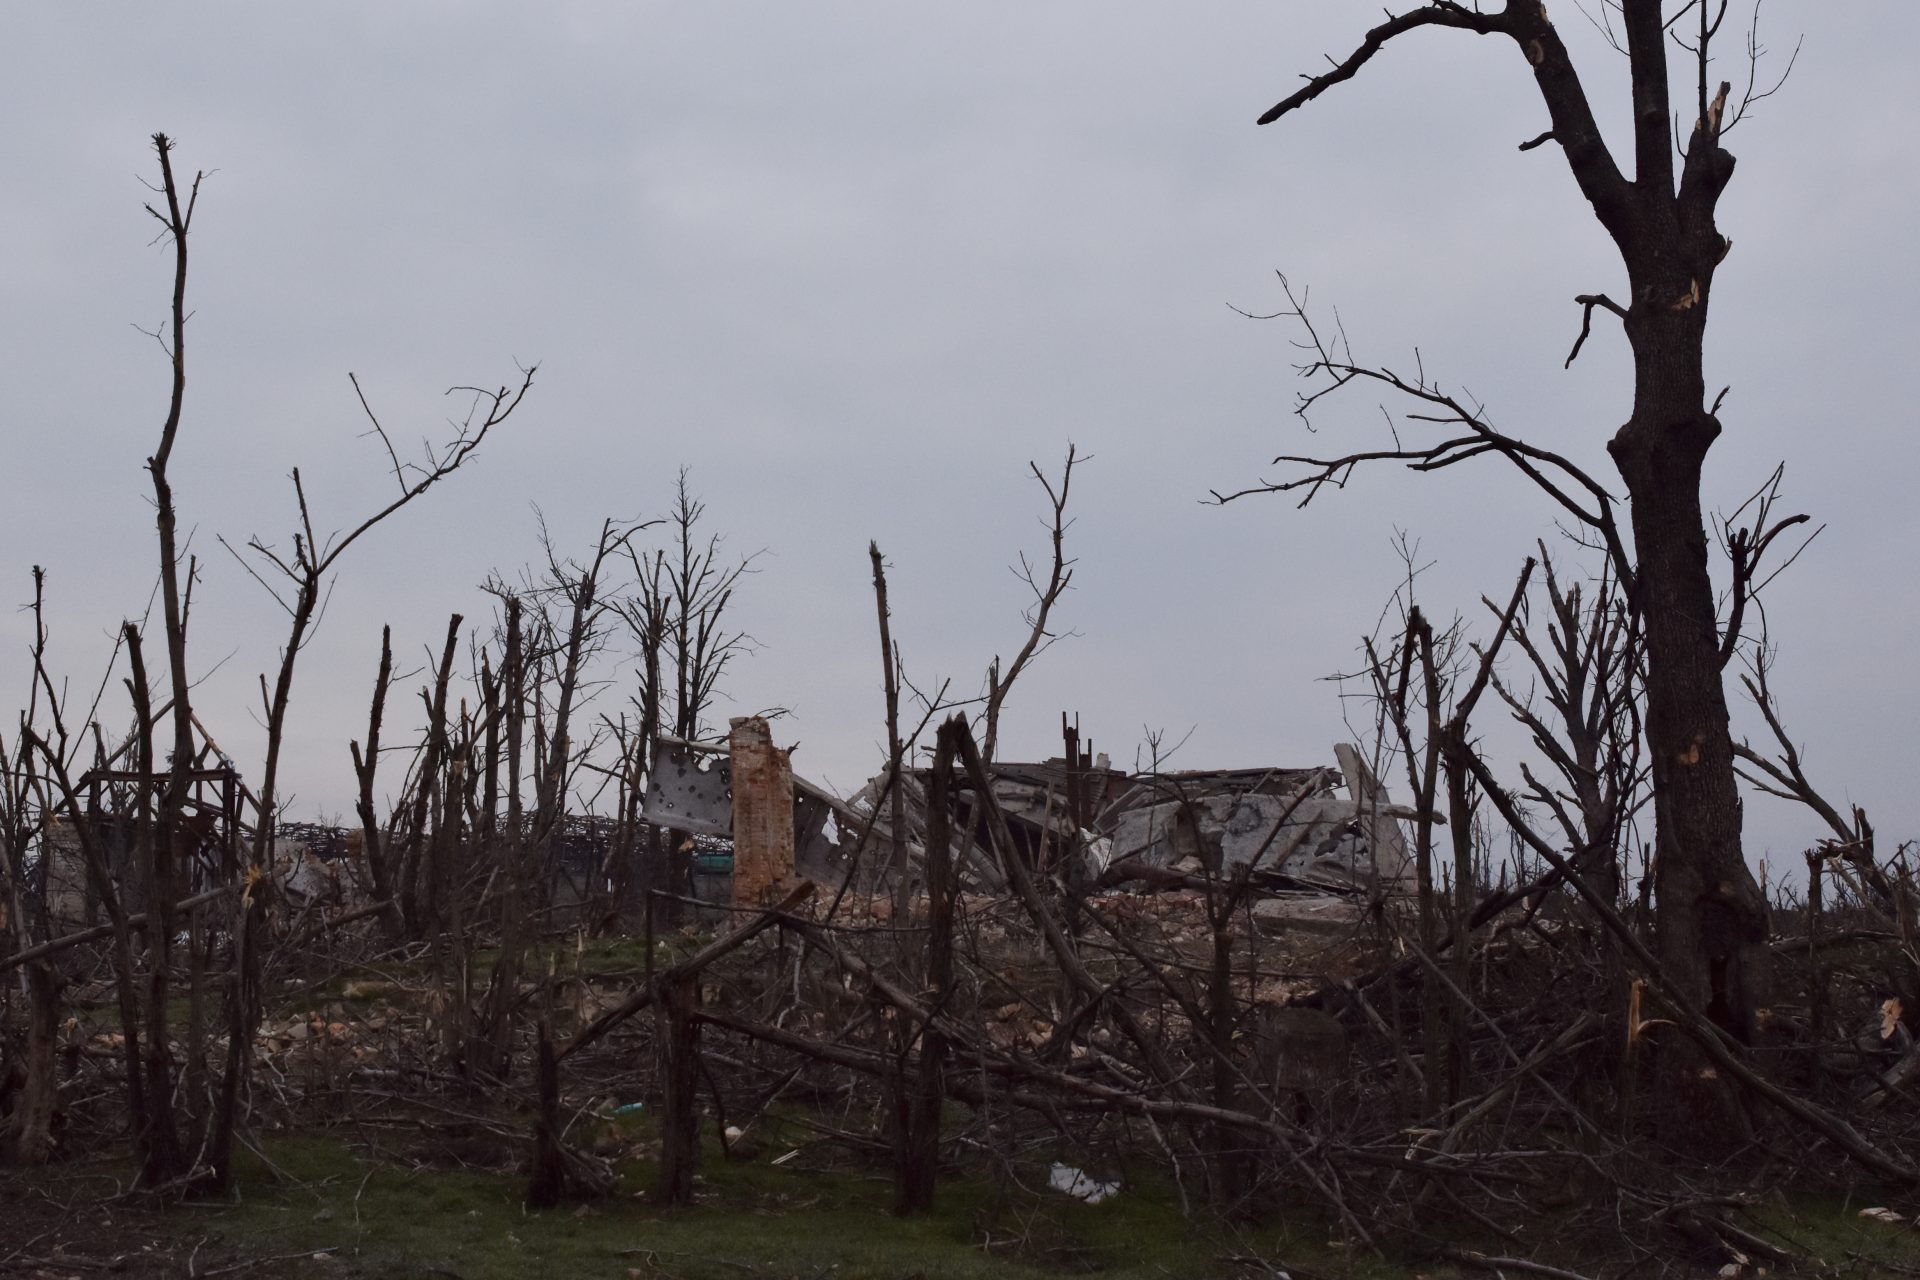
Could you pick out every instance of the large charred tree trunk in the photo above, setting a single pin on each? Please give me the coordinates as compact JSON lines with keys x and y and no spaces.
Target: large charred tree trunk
{"x":1711,"y":917}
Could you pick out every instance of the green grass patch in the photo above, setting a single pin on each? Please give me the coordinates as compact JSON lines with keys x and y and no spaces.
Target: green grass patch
{"x":387,"y":1215}
{"x":1829,"y":1226}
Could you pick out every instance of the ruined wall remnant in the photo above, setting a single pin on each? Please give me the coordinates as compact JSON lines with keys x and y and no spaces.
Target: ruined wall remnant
{"x":762,"y":814}
{"x":69,"y":900}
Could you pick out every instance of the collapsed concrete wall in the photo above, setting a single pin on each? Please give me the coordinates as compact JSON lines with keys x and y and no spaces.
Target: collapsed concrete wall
{"x":692,"y":788}
{"x":1290,"y":822}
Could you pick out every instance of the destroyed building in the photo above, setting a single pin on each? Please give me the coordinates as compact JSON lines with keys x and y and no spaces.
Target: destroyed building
{"x":1327,"y":829}
{"x":750,"y":826}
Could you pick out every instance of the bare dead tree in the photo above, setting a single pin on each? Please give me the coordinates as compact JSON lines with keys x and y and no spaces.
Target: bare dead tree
{"x":1589,"y":731}
{"x":581,"y":604}
{"x":164,"y":1157}
{"x":304,"y":578}
{"x":1712,"y":915}
{"x":1848,"y":852}
{"x":1412,"y":711}
{"x":647,"y":610}
{"x":1045,"y":596}
{"x":573,"y":604}
{"x":695,"y":583}
{"x":700,"y":585}
{"x":896,"y":749}
{"x":492,"y":1051}
{"x":25,"y":917}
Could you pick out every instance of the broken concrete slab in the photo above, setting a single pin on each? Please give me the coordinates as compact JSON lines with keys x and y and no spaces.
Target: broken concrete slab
{"x":689,"y":788}
{"x":1308,"y":913}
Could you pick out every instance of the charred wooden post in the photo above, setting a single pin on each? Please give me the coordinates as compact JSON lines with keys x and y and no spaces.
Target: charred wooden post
{"x":679,"y":1121}
{"x":918,"y":1167}
{"x":558,"y":1175}
{"x":1816,"y":972}
{"x":1073,"y":854}
{"x":547,"y":1185}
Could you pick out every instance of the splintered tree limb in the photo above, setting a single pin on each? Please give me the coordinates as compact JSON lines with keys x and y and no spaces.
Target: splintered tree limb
{"x":1487,"y":1262}
{"x":1443,"y":13}
{"x":1746,"y":547}
{"x":1571,"y":114}
{"x":1044,"y":598}
{"x":890,"y":667}
{"x":329,"y":923}
{"x":1092,"y":1092}
{"x":137,"y":920}
{"x":1588,"y":301}
{"x":1562,"y":480}
{"x":693,"y":964}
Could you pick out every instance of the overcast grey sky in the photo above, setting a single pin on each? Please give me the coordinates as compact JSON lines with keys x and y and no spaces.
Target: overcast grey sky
{"x":855,"y":265}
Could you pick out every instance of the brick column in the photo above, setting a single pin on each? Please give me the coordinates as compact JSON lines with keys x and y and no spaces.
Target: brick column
{"x":762,"y":814}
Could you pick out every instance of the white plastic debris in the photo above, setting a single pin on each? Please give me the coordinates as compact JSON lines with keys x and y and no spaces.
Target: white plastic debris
{"x":1077,"y":1184}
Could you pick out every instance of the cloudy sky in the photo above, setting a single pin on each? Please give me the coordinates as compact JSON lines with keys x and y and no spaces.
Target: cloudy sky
{"x":855,"y":265}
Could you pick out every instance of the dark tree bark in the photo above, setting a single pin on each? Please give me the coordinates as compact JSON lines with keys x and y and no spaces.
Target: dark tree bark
{"x":897,"y":866}
{"x":162,"y":1154}
{"x":495,"y":1052}
{"x":547,"y":1184}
